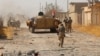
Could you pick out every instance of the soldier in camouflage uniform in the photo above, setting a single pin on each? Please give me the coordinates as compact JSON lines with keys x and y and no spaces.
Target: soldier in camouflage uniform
{"x":66,"y":23}
{"x":70,"y":25}
{"x":30,"y":23}
{"x":61,"y":34}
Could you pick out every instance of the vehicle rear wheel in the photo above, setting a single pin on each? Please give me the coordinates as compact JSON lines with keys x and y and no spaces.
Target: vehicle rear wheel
{"x":32,"y":29}
{"x":53,"y":30}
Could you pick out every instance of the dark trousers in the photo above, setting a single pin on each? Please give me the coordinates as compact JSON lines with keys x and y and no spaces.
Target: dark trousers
{"x":69,"y":28}
{"x":61,"y":39}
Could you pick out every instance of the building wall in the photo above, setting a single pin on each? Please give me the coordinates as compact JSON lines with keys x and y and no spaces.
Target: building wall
{"x":86,"y":16}
{"x":75,"y":12}
{"x":71,"y":8}
{"x":87,"y":19}
{"x":96,"y":16}
{"x":72,"y":14}
{"x":74,"y":18}
{"x":61,"y":15}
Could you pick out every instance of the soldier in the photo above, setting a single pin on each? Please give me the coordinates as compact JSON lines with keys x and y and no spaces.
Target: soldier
{"x":69,"y":24}
{"x":27,"y":22}
{"x":18,"y":23}
{"x":30,"y":22}
{"x":61,"y":34}
{"x":66,"y":23}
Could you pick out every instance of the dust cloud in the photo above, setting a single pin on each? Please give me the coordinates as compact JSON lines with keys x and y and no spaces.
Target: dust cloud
{"x":9,"y":9}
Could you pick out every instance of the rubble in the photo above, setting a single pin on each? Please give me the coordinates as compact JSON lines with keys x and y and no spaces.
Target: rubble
{"x":1,"y":47}
{"x":74,"y":45}
{"x":30,"y":52}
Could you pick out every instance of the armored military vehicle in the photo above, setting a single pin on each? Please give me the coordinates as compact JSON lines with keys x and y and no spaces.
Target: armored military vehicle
{"x":43,"y":22}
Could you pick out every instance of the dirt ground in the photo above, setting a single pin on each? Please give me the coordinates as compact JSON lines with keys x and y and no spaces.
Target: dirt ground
{"x":75,"y":44}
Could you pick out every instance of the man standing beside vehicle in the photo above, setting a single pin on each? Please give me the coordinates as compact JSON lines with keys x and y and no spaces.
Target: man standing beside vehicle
{"x":70,"y":25}
{"x":66,"y":23}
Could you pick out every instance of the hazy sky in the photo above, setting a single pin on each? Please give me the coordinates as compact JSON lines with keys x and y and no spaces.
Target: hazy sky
{"x":29,"y":7}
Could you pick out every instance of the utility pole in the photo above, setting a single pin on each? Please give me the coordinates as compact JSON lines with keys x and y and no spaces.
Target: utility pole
{"x":56,"y":4}
{"x":91,"y":3}
{"x":68,"y":7}
{"x":55,"y":9}
{"x":46,"y":9}
{"x":92,"y":13}
{"x":40,"y":6}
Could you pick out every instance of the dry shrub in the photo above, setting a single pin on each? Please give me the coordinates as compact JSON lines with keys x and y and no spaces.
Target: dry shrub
{"x":95,"y":30}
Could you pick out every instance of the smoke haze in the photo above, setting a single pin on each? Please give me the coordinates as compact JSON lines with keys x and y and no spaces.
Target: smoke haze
{"x":28,"y":7}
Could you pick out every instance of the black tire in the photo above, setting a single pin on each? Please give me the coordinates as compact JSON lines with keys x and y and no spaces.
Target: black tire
{"x":32,"y":29}
{"x":53,"y":30}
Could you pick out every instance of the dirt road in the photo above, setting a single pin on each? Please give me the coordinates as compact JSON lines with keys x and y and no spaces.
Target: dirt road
{"x":75,"y":44}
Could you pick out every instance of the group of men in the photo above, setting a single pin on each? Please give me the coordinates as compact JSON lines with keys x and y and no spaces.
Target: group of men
{"x":62,"y":29}
{"x":68,"y":24}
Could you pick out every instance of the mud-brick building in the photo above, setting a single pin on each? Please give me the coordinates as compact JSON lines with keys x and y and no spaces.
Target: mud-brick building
{"x":95,"y":19}
{"x":86,"y":16}
{"x":75,"y":12}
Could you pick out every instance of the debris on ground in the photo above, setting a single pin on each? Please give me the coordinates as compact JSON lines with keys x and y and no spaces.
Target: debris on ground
{"x":1,"y":47}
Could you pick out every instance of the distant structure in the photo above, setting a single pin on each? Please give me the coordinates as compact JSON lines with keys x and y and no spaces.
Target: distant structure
{"x":61,"y":15}
{"x":86,"y":16}
{"x":75,"y":12}
{"x":92,"y":2}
